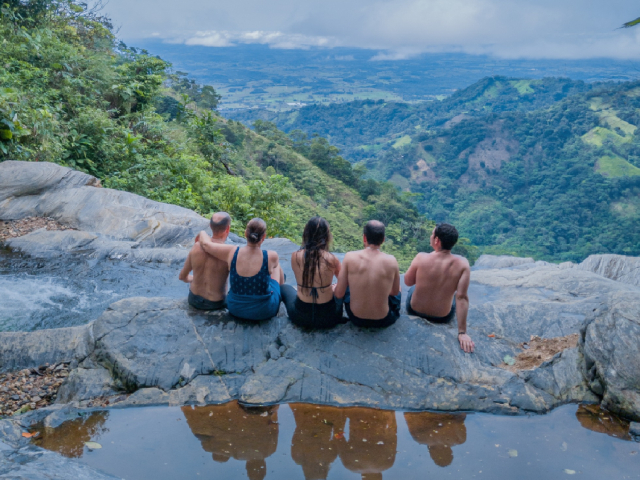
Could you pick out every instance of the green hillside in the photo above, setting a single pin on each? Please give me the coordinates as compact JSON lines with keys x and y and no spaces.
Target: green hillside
{"x":72,"y":94}
{"x":548,"y":168}
{"x":558,"y":183}
{"x":363,"y":129}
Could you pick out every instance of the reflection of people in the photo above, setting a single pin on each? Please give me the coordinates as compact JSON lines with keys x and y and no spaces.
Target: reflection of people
{"x":439,"y":432}
{"x":369,"y":282}
{"x":313,"y":304}
{"x":435,"y":278}
{"x":68,"y":439}
{"x":371,"y":447}
{"x":255,"y":275}
{"x":231,"y":431}
{"x":208,"y":284}
{"x":314,"y":445}
{"x":592,"y":417}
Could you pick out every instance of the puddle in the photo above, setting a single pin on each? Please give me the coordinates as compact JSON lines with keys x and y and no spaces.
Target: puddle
{"x":304,"y":441}
{"x":38,"y":295}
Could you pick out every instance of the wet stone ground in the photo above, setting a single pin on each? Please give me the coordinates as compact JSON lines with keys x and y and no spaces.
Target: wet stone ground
{"x":305,"y":441}
{"x":73,"y":290}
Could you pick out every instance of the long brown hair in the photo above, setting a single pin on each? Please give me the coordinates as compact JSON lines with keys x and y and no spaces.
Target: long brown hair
{"x":315,"y":240}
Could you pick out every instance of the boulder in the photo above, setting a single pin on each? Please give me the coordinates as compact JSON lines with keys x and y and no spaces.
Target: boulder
{"x":616,"y":267}
{"x":611,"y":347}
{"x":74,"y":199}
{"x":500,"y":261}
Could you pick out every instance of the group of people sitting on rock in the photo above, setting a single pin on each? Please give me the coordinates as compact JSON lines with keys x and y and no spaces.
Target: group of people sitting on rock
{"x":368,"y":285}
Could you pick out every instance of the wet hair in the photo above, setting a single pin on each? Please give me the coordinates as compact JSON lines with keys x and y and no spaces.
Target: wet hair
{"x":256,"y":228}
{"x":315,"y":240}
{"x":447,"y":234}
{"x":220,"y":225}
{"x":374,"y":232}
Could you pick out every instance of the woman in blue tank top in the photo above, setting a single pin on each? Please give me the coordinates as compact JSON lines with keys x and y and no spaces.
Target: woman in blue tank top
{"x":255,"y":275}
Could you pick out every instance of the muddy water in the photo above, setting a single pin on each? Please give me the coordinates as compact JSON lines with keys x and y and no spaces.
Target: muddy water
{"x":73,"y":291}
{"x":302,"y":441}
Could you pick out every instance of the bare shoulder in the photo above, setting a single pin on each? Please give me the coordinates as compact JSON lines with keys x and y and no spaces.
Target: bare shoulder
{"x":331,"y":259}
{"x":462,"y":262}
{"x":390,"y":259}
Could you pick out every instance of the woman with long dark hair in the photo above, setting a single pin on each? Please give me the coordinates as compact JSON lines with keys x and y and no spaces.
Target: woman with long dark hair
{"x":313,"y":304}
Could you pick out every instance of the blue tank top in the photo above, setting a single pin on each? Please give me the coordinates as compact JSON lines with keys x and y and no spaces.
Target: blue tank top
{"x":255,"y":285}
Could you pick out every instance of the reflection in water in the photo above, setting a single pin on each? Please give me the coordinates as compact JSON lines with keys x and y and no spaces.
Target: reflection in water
{"x":439,"y":432}
{"x":371,"y":445}
{"x":592,"y":417}
{"x":233,"y":431}
{"x":315,"y":442}
{"x":68,"y":439}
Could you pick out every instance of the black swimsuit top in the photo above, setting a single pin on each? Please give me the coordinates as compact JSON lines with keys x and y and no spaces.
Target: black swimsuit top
{"x":314,"y":290}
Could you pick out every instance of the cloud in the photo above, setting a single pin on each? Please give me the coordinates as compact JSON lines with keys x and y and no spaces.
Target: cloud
{"x":396,"y":28}
{"x":273,"y":39}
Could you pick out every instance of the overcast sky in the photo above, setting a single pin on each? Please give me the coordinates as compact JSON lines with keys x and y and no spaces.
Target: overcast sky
{"x":566,"y":29}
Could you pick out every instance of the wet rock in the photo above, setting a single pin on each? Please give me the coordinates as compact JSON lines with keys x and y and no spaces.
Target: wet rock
{"x":616,"y":267}
{"x":30,"y":350}
{"x":85,"y":384}
{"x":32,"y":463}
{"x":612,"y":353}
{"x":634,"y":429}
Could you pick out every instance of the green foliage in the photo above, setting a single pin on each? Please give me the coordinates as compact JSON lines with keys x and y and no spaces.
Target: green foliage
{"x":71,"y":94}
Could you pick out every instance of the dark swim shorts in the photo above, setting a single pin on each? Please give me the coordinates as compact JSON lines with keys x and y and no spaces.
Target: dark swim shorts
{"x":447,"y":318}
{"x":201,"y":303}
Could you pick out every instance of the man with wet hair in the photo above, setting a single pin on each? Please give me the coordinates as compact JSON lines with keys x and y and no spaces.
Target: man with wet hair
{"x":369,"y":281}
{"x":439,"y":282}
{"x":208,"y":284}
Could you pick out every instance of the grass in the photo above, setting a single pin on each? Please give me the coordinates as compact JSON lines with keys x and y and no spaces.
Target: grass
{"x":614,"y":166}
{"x":598,"y":135}
{"x":402,"y":141}
{"x":523,"y":86}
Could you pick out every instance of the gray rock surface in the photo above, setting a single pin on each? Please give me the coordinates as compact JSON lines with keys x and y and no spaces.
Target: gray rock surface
{"x":73,"y":199}
{"x":32,"y":463}
{"x":616,"y":267}
{"x":634,"y":429}
{"x":31,"y":349}
{"x":162,"y":352}
{"x":500,"y":261}
{"x":611,"y":347}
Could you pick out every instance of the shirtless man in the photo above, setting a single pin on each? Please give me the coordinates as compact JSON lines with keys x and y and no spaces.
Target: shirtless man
{"x":369,"y":281}
{"x":440,"y":281}
{"x":208,"y":284}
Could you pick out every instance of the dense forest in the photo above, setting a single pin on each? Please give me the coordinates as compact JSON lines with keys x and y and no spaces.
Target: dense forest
{"x":74,"y":95}
{"x":548,"y":168}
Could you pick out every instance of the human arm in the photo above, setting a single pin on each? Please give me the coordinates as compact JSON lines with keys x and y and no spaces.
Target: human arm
{"x":462,"y":309}
{"x":220,"y":251}
{"x":343,"y":281}
{"x":410,"y":275}
{"x":185,"y":273}
{"x":337,"y":266}
{"x":395,"y":290}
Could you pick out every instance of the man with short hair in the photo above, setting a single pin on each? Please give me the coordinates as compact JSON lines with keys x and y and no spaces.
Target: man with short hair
{"x":208,"y":284}
{"x":369,"y":281}
{"x":439,"y":282}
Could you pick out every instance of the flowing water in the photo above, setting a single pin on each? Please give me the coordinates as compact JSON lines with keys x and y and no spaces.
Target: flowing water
{"x":73,"y":291}
{"x":304,"y":441}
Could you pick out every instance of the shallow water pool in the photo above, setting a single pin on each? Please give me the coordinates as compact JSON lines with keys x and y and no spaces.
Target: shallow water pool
{"x":304,"y":441}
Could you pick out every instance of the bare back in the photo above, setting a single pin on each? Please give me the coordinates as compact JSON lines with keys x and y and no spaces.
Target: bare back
{"x":209,"y":274}
{"x":437,"y":276}
{"x":322,"y":280}
{"x":371,"y":276}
